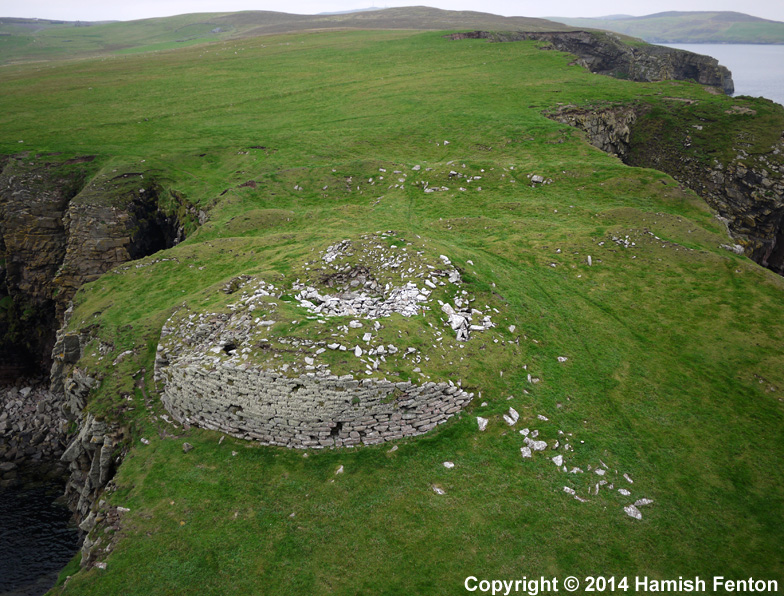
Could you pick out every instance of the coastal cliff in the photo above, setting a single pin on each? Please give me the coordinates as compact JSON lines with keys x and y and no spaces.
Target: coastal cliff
{"x":606,"y":54}
{"x":62,"y":225}
{"x":732,"y":158}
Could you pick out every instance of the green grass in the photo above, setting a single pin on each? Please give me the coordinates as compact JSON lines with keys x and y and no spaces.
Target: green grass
{"x":26,"y":40}
{"x":667,"y":342}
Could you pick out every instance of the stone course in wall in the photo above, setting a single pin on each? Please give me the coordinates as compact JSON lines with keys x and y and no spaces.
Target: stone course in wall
{"x":308,"y":411}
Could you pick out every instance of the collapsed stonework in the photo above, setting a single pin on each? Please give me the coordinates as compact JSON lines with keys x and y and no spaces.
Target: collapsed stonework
{"x":249,"y":373}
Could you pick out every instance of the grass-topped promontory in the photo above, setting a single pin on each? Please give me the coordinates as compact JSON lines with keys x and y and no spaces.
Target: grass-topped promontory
{"x":660,"y":360}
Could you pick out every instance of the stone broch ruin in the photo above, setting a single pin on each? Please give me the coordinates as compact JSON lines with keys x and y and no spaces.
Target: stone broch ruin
{"x":228,"y":372}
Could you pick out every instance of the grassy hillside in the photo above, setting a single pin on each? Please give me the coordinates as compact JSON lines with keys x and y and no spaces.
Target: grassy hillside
{"x":688,"y":27}
{"x":24,"y":40}
{"x":673,"y":346}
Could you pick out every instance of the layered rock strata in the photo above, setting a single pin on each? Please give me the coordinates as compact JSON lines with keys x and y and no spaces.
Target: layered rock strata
{"x":746,"y":190}
{"x":60,"y":227}
{"x":33,"y":430}
{"x":605,"y":53}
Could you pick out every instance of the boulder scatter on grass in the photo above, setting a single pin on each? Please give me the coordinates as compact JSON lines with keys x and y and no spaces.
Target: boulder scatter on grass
{"x":563,"y":445}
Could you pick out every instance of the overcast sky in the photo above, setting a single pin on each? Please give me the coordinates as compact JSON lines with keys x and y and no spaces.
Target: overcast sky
{"x":96,"y":10}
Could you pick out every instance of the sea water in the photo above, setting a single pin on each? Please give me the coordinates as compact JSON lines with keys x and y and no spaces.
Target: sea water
{"x":37,"y":538}
{"x":757,"y":69}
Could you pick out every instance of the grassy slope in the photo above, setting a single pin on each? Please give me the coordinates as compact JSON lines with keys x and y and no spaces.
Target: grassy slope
{"x":674,"y":346}
{"x":689,"y":27}
{"x":47,"y":41}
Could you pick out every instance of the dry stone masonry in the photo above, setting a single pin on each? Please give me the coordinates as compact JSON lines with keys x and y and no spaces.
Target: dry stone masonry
{"x":309,"y":410}
{"x":261,"y":367}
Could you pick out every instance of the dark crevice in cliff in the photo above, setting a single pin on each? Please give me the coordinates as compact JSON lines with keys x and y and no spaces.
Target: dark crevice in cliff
{"x":732,"y":158}
{"x":62,"y":225}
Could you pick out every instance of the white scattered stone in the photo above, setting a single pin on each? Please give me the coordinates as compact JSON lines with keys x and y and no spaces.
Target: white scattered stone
{"x":538,"y":445}
{"x":449,"y":465}
{"x":482,"y":422}
{"x":543,"y":418}
{"x":357,"y":351}
{"x":100,"y":565}
{"x":367,"y":337}
{"x":123,"y":509}
{"x":309,"y":361}
{"x":632,"y":511}
{"x":624,"y":492}
{"x":599,"y":471}
{"x":512,"y":418}
{"x":333,"y":346}
{"x":526,"y":452}
{"x":394,"y":448}
{"x":439,"y":490}
{"x":339,"y":470}
{"x":562,"y":358}
{"x":643,"y":502}
{"x":145,"y":441}
{"x":590,"y":261}
{"x":558,"y":460}
{"x":628,"y":479}
{"x":525,"y":432}
{"x":570,"y":491}
{"x":512,"y":328}
{"x":576,"y":471}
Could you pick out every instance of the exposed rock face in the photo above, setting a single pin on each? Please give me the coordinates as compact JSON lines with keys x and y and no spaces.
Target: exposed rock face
{"x":32,"y":432}
{"x":746,"y":190}
{"x":606,"y":54}
{"x":58,"y":232}
{"x":610,"y":129}
{"x":33,"y":200}
{"x":91,"y":457}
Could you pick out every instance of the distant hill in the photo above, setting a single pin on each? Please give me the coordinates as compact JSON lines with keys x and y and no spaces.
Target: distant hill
{"x":23,"y":40}
{"x":688,"y":27}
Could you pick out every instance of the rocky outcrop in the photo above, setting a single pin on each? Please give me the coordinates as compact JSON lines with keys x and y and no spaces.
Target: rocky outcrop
{"x":33,"y":430}
{"x":34,"y":197}
{"x":744,"y":187}
{"x":607,"y":54}
{"x":60,"y":227}
{"x":608,"y":129}
{"x":63,"y":225}
{"x":92,"y":457}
